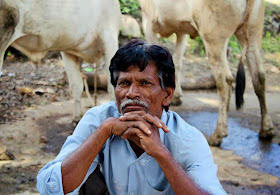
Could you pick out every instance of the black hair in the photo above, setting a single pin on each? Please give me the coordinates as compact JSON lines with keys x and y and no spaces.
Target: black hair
{"x":139,"y":53}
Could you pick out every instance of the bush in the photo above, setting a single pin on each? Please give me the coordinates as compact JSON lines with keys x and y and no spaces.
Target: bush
{"x":271,"y":44}
{"x":270,"y":40}
{"x":130,"y":7}
{"x":197,"y":46}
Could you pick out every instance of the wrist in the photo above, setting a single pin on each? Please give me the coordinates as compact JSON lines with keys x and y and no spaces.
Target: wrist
{"x":161,"y":153}
{"x":106,"y":127}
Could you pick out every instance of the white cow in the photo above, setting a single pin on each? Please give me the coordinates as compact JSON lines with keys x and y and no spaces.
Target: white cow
{"x":215,"y":21}
{"x":84,"y":29}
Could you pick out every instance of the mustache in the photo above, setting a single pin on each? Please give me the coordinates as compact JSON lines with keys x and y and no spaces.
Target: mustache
{"x":135,"y":101}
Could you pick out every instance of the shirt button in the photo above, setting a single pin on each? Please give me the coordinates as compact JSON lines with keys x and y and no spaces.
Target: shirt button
{"x":143,"y":162}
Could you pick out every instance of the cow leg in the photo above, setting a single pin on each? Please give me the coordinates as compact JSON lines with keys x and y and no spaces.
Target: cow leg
{"x":72,"y":68}
{"x":35,"y":74}
{"x":216,"y":51}
{"x":110,"y":41}
{"x":251,"y":36}
{"x":150,"y":35}
{"x":257,"y":72}
{"x":178,"y":60}
{"x":1,"y":60}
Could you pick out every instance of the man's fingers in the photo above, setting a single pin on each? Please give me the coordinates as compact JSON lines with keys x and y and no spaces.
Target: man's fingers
{"x":141,"y":113}
{"x":156,"y":121}
{"x":133,"y":134}
{"x":134,"y":120}
{"x":143,"y":116}
{"x":164,"y":127}
{"x":140,"y":125}
{"x":130,"y":132}
{"x":131,"y":117}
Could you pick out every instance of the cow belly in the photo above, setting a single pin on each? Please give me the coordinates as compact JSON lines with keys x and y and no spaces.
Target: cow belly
{"x":35,"y":47}
{"x":172,"y":26}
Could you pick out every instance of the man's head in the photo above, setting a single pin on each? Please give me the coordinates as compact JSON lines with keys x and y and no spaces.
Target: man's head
{"x":142,"y":73}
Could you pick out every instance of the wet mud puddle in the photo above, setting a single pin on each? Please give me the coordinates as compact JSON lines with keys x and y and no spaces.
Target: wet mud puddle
{"x":260,"y":155}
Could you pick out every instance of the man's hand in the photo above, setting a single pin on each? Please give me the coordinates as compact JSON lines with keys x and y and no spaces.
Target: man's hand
{"x":117,"y":127}
{"x":150,"y":142}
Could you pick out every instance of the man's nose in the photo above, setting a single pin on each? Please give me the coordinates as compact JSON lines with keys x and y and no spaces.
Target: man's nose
{"x":133,"y":91}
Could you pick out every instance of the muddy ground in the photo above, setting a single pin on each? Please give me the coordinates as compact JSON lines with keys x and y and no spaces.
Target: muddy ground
{"x":36,"y":110}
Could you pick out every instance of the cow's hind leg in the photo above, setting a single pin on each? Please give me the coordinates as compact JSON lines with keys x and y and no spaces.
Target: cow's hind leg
{"x":72,"y":68}
{"x":178,"y":60}
{"x":150,"y":35}
{"x":253,"y":34}
{"x":110,"y":42}
{"x":257,"y":72}
{"x":216,"y":50}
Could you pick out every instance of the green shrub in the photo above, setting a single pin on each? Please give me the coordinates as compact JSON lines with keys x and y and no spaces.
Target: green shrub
{"x":271,"y":44}
{"x":235,"y":48}
{"x":197,"y":46}
{"x":130,"y":7}
{"x":234,"y":45}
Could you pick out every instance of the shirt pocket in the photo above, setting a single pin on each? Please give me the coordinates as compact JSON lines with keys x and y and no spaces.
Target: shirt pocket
{"x":152,"y":191}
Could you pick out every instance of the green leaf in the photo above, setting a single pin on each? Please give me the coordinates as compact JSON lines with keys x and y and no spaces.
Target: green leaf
{"x":88,"y":69}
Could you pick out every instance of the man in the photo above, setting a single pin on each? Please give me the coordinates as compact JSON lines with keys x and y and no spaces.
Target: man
{"x":142,"y":147}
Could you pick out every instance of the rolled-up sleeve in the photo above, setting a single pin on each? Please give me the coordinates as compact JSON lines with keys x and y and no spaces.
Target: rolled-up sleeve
{"x":49,"y":178}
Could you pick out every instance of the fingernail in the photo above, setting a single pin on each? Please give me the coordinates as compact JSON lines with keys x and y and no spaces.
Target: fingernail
{"x":149,"y":132}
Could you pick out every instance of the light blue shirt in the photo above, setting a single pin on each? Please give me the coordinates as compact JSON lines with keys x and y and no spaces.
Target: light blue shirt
{"x":125,"y":173}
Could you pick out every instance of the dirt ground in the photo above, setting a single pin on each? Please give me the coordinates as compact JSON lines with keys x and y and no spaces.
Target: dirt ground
{"x":36,"y":113}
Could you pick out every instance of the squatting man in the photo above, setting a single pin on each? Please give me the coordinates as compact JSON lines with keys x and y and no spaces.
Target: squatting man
{"x":141,"y":146}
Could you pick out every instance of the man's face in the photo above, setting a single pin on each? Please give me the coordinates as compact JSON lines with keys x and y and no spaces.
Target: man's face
{"x":141,"y":91}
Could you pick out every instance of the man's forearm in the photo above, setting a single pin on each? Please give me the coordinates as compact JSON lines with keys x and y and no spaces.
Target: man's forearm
{"x":179,"y":180}
{"x":75,"y":166}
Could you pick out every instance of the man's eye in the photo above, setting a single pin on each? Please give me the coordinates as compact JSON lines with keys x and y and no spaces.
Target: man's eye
{"x":123,"y":83}
{"x":146,"y":83}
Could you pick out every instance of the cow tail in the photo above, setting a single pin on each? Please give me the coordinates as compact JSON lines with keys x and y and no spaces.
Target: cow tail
{"x":240,"y":85}
{"x":240,"y":76}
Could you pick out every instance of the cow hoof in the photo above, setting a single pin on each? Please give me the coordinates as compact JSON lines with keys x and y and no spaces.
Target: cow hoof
{"x":266,"y":133}
{"x":34,"y":76}
{"x":75,"y":123}
{"x":7,"y":155}
{"x":76,"y":120}
{"x":176,"y":101}
{"x":214,"y":141}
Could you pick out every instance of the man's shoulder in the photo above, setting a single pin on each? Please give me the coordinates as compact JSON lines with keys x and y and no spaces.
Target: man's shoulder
{"x":184,"y":140}
{"x":180,"y":128}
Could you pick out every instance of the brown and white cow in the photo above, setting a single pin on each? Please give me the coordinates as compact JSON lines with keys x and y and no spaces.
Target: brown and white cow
{"x":84,"y":29}
{"x":215,"y":21}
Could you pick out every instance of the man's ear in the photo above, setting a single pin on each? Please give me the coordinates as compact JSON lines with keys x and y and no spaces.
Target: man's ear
{"x":168,"y":96}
